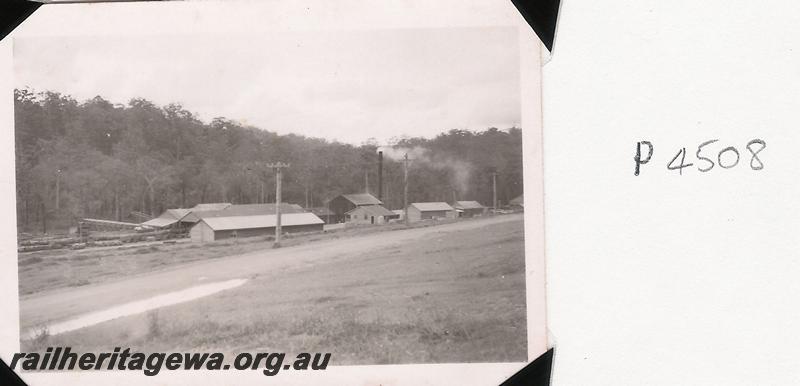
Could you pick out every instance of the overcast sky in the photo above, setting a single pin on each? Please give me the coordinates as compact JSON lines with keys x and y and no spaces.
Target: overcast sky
{"x":346,"y":85}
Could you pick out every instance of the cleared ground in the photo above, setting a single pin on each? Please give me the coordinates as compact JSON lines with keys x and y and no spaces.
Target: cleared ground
{"x":449,"y":293}
{"x":52,"y":269}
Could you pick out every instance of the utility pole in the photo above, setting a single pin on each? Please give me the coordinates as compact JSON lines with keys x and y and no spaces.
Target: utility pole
{"x":278,"y":179}
{"x":278,"y":166}
{"x":494,"y":191}
{"x":58,"y":189}
{"x":405,"y":188}
{"x":43,"y":211}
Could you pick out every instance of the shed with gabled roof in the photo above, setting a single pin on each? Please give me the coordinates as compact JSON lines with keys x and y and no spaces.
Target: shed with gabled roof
{"x":170,"y":217}
{"x":370,"y":214}
{"x":344,"y":203}
{"x":219,"y":228}
{"x":469,"y":208}
{"x":430,"y":211}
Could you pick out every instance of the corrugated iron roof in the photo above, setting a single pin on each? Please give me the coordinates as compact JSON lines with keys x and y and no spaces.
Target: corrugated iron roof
{"x":468,"y":205}
{"x":251,"y":210}
{"x":432,"y":206}
{"x":362,"y":199}
{"x":211,"y":206}
{"x":243,"y":210}
{"x":260,"y":221}
{"x":373,"y":210}
{"x":169,"y":217}
{"x":160,"y":222}
{"x":177,"y":213}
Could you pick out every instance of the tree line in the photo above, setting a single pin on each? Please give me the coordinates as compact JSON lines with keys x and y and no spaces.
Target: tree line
{"x":98,"y":159}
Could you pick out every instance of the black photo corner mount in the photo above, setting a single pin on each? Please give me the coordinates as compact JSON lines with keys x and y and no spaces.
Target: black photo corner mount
{"x":13,"y":13}
{"x":542,"y":16}
{"x":536,"y":373}
{"x":8,"y":376}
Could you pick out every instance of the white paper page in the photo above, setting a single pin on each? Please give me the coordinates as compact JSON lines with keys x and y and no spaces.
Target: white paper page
{"x":666,"y":279}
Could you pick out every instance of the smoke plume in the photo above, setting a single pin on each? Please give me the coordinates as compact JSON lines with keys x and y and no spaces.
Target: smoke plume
{"x":461,"y":171}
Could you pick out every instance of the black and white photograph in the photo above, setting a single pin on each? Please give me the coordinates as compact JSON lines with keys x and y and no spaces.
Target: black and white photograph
{"x":399,"y":193}
{"x":355,"y":192}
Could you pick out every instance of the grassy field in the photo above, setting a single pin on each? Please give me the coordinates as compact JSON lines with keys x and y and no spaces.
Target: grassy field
{"x":447,"y":297}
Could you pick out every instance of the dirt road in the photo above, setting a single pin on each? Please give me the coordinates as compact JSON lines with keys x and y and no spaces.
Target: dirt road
{"x":56,"y":305}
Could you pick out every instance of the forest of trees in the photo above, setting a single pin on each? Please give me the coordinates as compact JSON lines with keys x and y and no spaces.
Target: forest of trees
{"x":103,"y":160}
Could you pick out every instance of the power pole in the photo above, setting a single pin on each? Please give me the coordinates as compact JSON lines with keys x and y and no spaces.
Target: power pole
{"x":494,"y":191}
{"x":405,"y":188}
{"x":278,"y":178}
{"x":58,"y":189}
{"x":278,"y":166}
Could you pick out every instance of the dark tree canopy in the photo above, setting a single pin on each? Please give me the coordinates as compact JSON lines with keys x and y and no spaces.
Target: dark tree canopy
{"x":103,"y":160}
